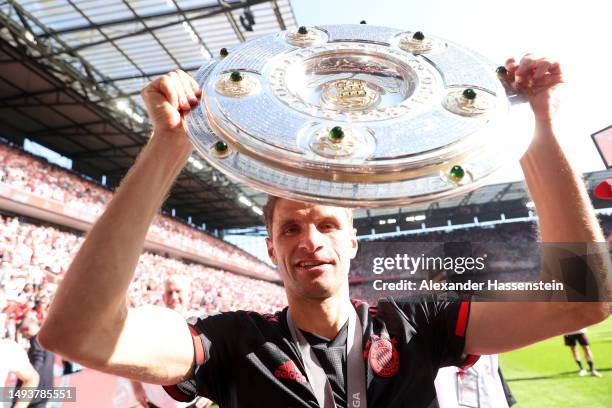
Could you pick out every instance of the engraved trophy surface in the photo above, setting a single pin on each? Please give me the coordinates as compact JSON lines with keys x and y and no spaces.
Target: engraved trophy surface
{"x":354,"y":115}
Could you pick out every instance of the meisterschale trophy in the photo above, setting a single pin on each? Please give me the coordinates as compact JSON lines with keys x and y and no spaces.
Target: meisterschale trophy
{"x":355,"y":115}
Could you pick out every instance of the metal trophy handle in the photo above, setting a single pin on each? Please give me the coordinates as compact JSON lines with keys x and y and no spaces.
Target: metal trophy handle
{"x":355,"y":115}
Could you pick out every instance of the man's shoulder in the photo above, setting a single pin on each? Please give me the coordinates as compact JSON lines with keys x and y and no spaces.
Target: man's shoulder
{"x":403,"y":302}
{"x":239,"y":318}
{"x":413,"y":307}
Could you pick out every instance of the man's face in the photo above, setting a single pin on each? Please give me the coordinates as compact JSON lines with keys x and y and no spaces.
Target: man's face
{"x":175,"y":297}
{"x":312,"y":245}
{"x":29,"y":331}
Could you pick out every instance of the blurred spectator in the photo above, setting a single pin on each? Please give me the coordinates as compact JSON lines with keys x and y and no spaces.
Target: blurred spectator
{"x":176,"y":297}
{"x":478,"y":386}
{"x":41,"y":359}
{"x":13,"y":359}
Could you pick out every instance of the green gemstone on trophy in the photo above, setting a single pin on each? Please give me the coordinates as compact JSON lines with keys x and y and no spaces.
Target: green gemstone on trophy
{"x":336,"y":134}
{"x":501,"y":71}
{"x":223,"y":52}
{"x":302,"y":30}
{"x":469,"y":94}
{"x":419,"y":36}
{"x":456,"y":173}
{"x":221,"y":147}
{"x":235,"y":76}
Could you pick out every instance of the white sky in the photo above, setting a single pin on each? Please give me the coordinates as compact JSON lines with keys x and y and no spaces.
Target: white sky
{"x":578,"y":34}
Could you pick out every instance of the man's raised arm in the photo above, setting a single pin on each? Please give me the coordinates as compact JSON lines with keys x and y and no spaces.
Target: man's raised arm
{"x":565,"y":216}
{"x":89,"y":321}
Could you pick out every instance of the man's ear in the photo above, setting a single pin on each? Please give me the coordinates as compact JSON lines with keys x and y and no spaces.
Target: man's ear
{"x":354,"y":243}
{"x":271,"y":252}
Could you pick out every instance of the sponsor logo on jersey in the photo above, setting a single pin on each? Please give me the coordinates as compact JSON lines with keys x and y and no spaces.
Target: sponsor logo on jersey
{"x":289,"y":370}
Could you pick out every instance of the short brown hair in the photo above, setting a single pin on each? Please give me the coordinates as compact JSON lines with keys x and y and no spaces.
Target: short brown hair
{"x":268,"y":213}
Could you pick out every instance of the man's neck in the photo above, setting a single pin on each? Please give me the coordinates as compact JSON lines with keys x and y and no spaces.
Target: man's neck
{"x":324,"y":317}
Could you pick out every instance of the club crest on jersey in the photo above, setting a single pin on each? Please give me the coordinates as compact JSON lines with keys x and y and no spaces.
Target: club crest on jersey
{"x":383,"y":356}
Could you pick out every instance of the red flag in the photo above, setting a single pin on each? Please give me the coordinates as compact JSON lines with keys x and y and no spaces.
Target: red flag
{"x":604,"y":190}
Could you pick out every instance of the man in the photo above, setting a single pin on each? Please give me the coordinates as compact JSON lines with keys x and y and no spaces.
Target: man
{"x":176,"y":297}
{"x":41,"y":359}
{"x":291,"y":358}
{"x":13,"y":359}
{"x":478,"y":386}
{"x":580,"y":337}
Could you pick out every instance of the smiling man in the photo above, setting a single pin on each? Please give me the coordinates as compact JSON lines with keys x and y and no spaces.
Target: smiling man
{"x":324,"y":349}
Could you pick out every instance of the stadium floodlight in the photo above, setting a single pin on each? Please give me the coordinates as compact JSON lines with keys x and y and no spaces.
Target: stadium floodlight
{"x":245,"y":201}
{"x":382,"y":222}
{"x":195,"y":163}
{"x":30,"y":37}
{"x":391,"y":221}
{"x":257,"y":210}
{"x":413,"y":218}
{"x":204,"y":52}
{"x":124,"y":107}
{"x":530,"y":204}
{"x":121,"y":105}
{"x":190,"y":32}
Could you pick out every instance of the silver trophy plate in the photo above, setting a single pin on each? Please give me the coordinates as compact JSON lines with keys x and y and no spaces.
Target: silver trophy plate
{"x":355,"y":115}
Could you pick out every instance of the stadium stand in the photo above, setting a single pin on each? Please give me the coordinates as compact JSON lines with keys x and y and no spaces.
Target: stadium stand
{"x":34,"y":258}
{"x":30,"y":174}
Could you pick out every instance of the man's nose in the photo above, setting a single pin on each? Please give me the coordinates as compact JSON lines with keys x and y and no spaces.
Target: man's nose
{"x":312,"y":239}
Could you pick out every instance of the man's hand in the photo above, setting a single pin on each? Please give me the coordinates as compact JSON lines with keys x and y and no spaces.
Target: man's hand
{"x":538,"y":79}
{"x":167,"y":99}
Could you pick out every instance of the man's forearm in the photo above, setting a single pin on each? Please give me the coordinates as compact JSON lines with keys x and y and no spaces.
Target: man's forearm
{"x":92,"y":297}
{"x":562,"y":203}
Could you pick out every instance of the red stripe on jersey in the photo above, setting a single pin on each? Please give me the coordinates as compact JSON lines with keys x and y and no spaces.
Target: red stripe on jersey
{"x":462,"y":319}
{"x":176,"y":394}
{"x":470,"y":361}
{"x":200,"y":355}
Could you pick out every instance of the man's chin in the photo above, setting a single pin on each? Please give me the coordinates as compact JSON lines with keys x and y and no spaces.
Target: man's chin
{"x":320,"y":288}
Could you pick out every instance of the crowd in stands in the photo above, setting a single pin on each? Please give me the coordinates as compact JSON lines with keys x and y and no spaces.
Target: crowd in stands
{"x":506,"y":246}
{"x":34,"y":175}
{"x":34,"y":259}
{"x":511,"y":252}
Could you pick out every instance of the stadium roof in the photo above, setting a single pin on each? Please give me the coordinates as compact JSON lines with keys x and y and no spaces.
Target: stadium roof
{"x":71,"y":73}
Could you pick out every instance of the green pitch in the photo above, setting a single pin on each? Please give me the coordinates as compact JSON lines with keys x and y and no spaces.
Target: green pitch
{"x":545,"y":374}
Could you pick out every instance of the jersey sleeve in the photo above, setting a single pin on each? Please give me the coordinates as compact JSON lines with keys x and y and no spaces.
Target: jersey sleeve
{"x":215,"y":341}
{"x":443,"y":324}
